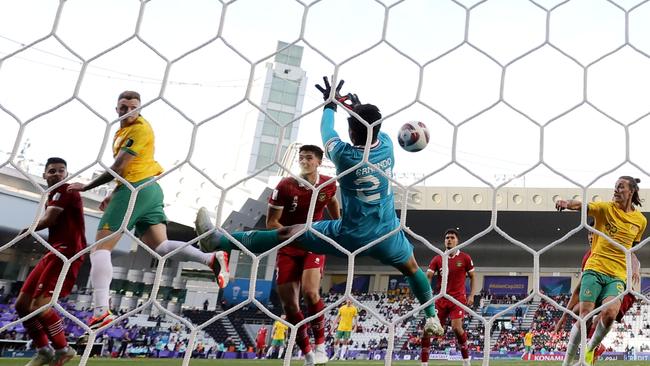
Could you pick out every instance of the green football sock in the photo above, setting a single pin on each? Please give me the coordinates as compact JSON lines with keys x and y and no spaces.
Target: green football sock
{"x":255,"y":241}
{"x":422,"y":290}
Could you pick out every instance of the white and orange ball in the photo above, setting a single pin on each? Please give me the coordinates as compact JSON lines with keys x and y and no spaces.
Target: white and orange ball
{"x":413,"y":136}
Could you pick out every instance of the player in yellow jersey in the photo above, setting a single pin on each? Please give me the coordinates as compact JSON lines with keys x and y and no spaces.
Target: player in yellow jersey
{"x":279,"y":333}
{"x":605,"y":272}
{"x":133,"y":150}
{"x":528,"y":342}
{"x":347,"y":323}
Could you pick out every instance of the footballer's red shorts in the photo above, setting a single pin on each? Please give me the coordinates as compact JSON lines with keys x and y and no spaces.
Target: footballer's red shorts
{"x":290,"y":267}
{"x":626,"y":304}
{"x":42,"y":279}
{"x":447,"y":309}
{"x":260,"y":345}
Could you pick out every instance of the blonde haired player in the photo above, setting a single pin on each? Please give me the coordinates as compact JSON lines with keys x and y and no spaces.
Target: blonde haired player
{"x":605,"y":274}
{"x":133,"y":150}
{"x":279,"y":333}
{"x":347,"y":323}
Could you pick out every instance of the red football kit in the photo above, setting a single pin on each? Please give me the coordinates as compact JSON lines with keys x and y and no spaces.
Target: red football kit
{"x":260,"y":340}
{"x":459,"y":265}
{"x":67,"y":235}
{"x":293,"y":198}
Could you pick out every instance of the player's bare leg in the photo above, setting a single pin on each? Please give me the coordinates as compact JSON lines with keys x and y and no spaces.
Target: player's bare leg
{"x":461,"y":336}
{"x":311,"y":293}
{"x":422,"y":290}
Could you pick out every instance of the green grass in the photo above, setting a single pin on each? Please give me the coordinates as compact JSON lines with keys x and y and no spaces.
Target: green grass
{"x":177,"y":362}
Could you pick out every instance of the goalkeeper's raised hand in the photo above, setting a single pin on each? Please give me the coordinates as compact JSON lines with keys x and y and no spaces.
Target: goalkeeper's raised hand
{"x":327,"y":89}
{"x":350,"y":101}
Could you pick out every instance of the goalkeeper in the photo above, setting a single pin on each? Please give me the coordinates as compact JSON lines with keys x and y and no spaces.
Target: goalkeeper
{"x":368,"y":204}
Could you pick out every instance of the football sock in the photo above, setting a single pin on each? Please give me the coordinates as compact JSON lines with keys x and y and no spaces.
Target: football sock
{"x":255,"y":241}
{"x":422,"y":290}
{"x":318,"y":324}
{"x":301,"y":336}
{"x":54,"y":328}
{"x":462,"y":342}
{"x":101,"y":274}
{"x":426,"y":348}
{"x":36,"y":332}
{"x":572,"y":345}
{"x":188,"y":253}
{"x":599,"y":334}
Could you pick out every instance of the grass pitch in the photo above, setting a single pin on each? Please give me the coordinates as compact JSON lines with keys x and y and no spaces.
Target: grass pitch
{"x":178,"y":362}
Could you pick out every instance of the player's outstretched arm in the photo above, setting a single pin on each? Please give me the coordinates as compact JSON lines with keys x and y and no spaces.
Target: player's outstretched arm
{"x":327,"y":121}
{"x":122,"y":160}
{"x":573,"y":205}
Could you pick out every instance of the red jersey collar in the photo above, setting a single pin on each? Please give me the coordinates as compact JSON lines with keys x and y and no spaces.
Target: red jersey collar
{"x":301,"y":184}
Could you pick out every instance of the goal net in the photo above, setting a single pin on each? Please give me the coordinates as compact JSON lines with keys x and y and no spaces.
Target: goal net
{"x":516,"y":94}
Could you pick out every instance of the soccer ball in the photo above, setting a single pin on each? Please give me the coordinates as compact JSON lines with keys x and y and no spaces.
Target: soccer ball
{"x":413,"y":136}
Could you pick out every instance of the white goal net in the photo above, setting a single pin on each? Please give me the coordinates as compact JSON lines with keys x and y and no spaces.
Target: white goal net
{"x":515,"y":93}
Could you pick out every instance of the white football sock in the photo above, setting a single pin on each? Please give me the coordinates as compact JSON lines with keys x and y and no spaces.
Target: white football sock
{"x":101,"y":274}
{"x":599,"y":334}
{"x":572,"y":345}
{"x":188,"y":253}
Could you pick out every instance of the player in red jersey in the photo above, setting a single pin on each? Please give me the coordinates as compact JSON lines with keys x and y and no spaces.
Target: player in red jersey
{"x":260,"y":342}
{"x":626,"y":303}
{"x":460,"y":266}
{"x":64,"y":219}
{"x":298,"y":269}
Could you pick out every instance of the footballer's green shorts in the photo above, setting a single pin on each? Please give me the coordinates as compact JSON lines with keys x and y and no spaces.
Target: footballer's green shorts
{"x":596,"y":286}
{"x":277,"y":343}
{"x":343,"y":334}
{"x":147,"y":211}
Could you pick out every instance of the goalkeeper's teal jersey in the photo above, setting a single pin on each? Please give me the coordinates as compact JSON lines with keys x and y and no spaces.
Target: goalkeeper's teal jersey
{"x":367,"y":197}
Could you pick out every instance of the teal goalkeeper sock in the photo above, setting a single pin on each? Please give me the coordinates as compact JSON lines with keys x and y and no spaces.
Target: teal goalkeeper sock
{"x":422,"y":290}
{"x":255,"y":241}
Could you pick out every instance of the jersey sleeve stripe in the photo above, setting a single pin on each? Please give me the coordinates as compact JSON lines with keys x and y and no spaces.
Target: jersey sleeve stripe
{"x":129,"y":151}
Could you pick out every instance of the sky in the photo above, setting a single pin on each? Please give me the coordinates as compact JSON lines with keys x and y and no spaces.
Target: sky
{"x":498,"y":89}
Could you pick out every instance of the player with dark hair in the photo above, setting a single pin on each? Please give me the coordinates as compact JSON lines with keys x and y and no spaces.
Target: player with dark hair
{"x":626,"y":303}
{"x":298,"y":269}
{"x":133,"y":150}
{"x":64,"y":220}
{"x":367,"y":201}
{"x":460,"y":266}
{"x":605,"y":273}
